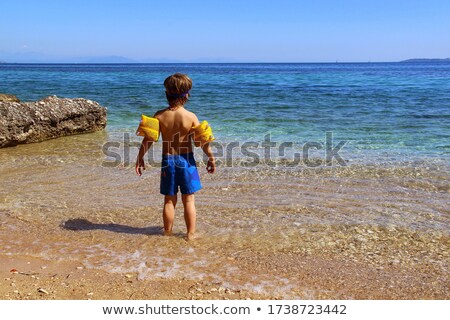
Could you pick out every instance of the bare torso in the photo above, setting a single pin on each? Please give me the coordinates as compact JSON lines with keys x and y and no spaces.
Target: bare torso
{"x":175,"y":126}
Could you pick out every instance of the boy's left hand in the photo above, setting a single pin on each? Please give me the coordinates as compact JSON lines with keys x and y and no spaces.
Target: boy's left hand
{"x":211,"y":166}
{"x":140,"y":165}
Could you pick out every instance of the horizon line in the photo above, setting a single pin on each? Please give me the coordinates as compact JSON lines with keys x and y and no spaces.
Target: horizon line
{"x":234,"y":62}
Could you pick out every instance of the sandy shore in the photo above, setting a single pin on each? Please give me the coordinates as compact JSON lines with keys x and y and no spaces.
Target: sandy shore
{"x":319,"y":270}
{"x":32,"y":278}
{"x":73,"y":228}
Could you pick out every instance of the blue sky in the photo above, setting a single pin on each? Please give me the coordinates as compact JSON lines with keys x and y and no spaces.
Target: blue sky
{"x":234,"y":31}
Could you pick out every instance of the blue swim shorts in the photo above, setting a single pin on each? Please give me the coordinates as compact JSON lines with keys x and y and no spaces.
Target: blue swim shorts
{"x":179,"y":171}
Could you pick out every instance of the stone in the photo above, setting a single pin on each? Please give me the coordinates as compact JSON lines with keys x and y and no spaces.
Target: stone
{"x":49,"y":118}
{"x":42,"y":290}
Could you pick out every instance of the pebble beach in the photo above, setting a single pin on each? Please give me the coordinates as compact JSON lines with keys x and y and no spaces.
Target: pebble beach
{"x":79,"y":230}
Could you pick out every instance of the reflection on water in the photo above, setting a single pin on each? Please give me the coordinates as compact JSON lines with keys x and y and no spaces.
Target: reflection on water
{"x":59,"y":201}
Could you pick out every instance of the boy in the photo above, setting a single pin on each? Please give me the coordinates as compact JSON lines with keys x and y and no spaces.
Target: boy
{"x":178,"y":167}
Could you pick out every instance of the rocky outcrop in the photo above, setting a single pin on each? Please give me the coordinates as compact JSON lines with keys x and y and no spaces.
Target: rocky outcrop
{"x":48,"y":118}
{"x":8,"y":98}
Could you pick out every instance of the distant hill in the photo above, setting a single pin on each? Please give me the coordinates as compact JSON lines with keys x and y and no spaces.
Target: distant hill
{"x":104,"y":59}
{"x":33,"y":57}
{"x":426,"y":60}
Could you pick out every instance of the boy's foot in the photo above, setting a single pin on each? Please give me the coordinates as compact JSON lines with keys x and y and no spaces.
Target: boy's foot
{"x":167,"y":233}
{"x":190,"y":236}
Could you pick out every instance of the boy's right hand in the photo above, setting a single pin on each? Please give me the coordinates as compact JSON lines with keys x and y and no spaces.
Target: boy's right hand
{"x":140,"y":165}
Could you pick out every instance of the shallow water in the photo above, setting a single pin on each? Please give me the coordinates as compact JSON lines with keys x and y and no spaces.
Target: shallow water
{"x":61,"y":200}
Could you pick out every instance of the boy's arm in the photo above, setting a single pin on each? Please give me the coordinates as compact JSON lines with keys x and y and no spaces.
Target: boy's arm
{"x":211,"y":166}
{"x":145,"y":145}
{"x":140,"y":164}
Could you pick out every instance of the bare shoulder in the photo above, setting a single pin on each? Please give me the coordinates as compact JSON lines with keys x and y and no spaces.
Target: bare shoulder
{"x":193,"y":117}
{"x":159,"y":113}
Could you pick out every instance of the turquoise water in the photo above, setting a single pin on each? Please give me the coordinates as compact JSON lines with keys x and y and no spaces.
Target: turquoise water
{"x":399,"y":110}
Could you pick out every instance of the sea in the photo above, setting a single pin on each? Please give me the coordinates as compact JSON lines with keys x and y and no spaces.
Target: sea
{"x":315,"y":159}
{"x":382,"y":111}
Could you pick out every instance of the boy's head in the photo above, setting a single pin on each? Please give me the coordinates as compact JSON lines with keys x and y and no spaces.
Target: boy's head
{"x":177,"y":87}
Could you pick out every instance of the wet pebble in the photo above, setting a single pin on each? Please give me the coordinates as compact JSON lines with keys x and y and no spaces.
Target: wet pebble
{"x":42,"y":290}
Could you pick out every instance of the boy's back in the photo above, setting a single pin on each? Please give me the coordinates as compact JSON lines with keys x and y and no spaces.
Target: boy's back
{"x":178,"y":167}
{"x":175,"y":126}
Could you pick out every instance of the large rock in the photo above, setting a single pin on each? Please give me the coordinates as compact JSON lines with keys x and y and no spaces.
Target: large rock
{"x":8,"y":97}
{"x":48,"y":118}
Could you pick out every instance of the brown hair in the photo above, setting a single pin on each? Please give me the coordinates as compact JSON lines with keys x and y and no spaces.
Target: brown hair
{"x":177,"y":89}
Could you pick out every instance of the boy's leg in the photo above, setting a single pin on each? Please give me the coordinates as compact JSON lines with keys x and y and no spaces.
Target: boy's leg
{"x":190,"y":214}
{"x":169,"y":213}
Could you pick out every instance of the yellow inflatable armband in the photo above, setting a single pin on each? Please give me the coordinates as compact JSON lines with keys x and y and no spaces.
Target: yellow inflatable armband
{"x":149,"y":127}
{"x":202,"y":134}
